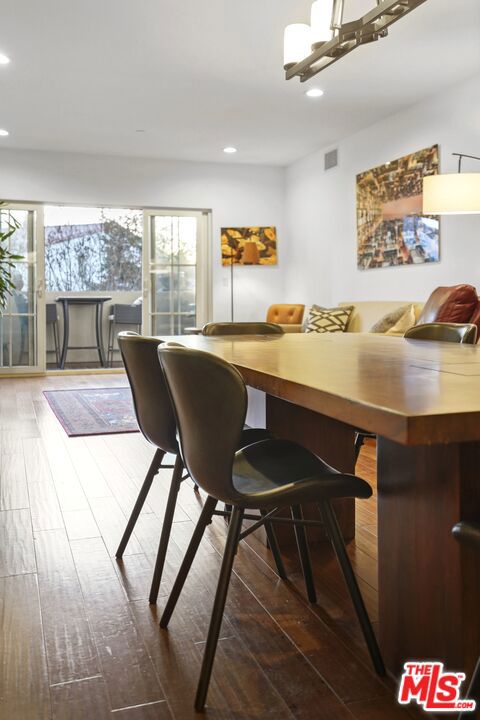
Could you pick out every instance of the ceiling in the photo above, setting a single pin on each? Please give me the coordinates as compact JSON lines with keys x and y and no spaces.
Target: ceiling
{"x":197,"y":75}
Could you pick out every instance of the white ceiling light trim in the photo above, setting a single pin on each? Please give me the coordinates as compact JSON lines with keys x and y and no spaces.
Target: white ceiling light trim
{"x":314,"y":93}
{"x":4,"y":133}
{"x":230,"y":150}
{"x":4,"y":60}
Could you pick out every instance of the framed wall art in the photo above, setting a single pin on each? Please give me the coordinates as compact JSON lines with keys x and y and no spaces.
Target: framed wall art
{"x":391,"y":227}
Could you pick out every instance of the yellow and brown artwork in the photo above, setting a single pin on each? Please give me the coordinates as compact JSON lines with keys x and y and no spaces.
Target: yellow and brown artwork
{"x":391,"y":227}
{"x":249,"y":246}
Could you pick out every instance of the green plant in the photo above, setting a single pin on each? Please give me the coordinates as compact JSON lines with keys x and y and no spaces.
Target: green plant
{"x":7,"y":259}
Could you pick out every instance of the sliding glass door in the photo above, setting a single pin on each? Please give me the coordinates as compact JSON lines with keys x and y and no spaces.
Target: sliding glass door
{"x":100,"y":250}
{"x":22,"y":348}
{"x":176,"y":268}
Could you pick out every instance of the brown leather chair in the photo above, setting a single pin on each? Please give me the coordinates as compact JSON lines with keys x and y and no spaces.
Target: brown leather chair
{"x":241,"y":328}
{"x":285,"y":314}
{"x":455,"y":304}
{"x":210,"y":403}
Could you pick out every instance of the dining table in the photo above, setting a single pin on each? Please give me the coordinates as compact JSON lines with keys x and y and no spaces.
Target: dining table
{"x":422,"y":400}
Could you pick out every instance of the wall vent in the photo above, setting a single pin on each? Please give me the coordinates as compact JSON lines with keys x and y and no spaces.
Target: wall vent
{"x":331,"y":159}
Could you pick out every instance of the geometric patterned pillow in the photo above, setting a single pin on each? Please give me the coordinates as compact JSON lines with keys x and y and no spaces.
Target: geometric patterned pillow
{"x":322,"y":320}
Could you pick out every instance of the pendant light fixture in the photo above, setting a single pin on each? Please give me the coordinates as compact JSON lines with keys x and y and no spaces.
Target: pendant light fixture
{"x":310,"y":49}
{"x":321,"y":22}
{"x":297,"y":42}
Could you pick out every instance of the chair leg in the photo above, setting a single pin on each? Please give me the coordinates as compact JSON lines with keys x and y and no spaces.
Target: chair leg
{"x":142,"y":495}
{"x":333,"y":530}
{"x":111,"y":340}
{"x":166,"y":529}
{"x":204,"y":520}
{"x":304,"y":553}
{"x":473,"y":692}
{"x":359,"y":440}
{"x":231,"y":545}
{"x":273,"y":543}
{"x":55,"y":342}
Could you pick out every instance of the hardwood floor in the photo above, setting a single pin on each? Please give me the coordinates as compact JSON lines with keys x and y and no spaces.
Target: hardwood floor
{"x":78,"y":637}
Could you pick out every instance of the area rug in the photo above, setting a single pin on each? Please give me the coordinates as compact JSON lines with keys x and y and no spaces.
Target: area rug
{"x":93,"y":411}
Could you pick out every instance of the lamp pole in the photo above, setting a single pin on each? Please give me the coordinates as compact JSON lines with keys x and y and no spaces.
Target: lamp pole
{"x":231,"y":286}
{"x":460,"y":158}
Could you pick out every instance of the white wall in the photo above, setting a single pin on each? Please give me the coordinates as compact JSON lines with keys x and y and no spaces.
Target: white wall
{"x":321,"y":221}
{"x":237,"y":195}
{"x":314,"y":210}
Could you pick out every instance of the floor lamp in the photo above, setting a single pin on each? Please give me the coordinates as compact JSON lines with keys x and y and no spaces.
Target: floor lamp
{"x":231,"y":286}
{"x":452,"y":193}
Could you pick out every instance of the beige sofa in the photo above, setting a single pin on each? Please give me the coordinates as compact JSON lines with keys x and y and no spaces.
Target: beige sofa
{"x":365,"y":314}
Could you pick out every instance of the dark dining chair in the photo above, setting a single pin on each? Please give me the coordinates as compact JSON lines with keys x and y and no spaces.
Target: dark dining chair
{"x":156,"y":420}
{"x":268,"y":328}
{"x":242,"y":328}
{"x":439,"y":332}
{"x":468,"y":534}
{"x":51,"y":318}
{"x":210,"y":401}
{"x":444,"y":332}
{"x":121,"y":315}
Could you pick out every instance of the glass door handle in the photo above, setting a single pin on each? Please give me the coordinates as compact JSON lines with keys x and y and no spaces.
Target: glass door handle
{"x":40,"y":289}
{"x":145,"y":289}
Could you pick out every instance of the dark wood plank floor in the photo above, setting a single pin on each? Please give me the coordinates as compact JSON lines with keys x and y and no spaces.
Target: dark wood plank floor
{"x":78,"y":637}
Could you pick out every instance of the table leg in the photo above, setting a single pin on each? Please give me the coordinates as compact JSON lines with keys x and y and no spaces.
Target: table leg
{"x":332,"y":440}
{"x":66,"y":332}
{"x":99,"y":332}
{"x":429,"y":586}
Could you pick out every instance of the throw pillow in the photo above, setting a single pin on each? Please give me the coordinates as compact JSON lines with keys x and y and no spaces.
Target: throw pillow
{"x":322,"y":320}
{"x":389,"y":320}
{"x":404,"y":323}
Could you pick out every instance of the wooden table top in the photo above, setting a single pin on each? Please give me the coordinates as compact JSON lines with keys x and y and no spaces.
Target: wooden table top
{"x":413,"y":392}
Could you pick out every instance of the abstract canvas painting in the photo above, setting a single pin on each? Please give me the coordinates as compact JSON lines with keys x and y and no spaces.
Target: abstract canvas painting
{"x":391,"y":227}
{"x":249,"y":246}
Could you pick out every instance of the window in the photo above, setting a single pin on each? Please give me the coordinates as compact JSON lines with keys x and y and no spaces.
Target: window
{"x":93,"y":249}
{"x":18,"y":320}
{"x":178,"y":263}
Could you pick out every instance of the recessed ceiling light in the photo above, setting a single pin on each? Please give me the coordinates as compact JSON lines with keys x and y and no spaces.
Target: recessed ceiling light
{"x":229,"y":149}
{"x":4,"y":133}
{"x":4,"y":60}
{"x":314,"y":92}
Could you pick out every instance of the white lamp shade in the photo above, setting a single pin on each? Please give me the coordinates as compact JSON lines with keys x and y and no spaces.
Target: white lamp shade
{"x":297,"y":44}
{"x":321,"y":21}
{"x":451,"y":194}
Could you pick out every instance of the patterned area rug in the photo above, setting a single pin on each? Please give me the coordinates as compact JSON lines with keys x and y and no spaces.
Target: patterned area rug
{"x":93,"y":411}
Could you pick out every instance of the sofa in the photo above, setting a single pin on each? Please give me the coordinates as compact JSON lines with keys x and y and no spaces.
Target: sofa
{"x":365,"y":314}
{"x":456,"y":303}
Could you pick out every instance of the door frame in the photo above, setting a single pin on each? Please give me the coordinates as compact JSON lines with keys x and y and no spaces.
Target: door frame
{"x":203,"y":269}
{"x":38,"y":292}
